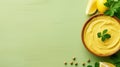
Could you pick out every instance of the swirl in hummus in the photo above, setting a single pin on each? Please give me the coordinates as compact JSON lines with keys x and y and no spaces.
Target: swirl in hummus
{"x":93,"y":43}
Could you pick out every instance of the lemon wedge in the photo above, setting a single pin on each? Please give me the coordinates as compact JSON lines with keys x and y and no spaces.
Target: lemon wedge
{"x":106,"y":64}
{"x":91,"y":7}
{"x":101,"y":7}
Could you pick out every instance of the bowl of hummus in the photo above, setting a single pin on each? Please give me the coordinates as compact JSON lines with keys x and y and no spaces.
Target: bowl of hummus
{"x":101,"y":35}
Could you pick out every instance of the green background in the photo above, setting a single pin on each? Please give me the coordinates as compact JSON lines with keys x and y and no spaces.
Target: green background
{"x":42,"y":33}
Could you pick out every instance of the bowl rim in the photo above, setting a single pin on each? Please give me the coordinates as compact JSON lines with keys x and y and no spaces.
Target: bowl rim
{"x":82,"y":34}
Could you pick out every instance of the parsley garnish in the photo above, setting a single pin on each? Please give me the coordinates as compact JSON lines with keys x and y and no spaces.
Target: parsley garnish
{"x":89,"y":66}
{"x":115,"y":60}
{"x":113,"y":8}
{"x":104,"y":35}
{"x":97,"y":64}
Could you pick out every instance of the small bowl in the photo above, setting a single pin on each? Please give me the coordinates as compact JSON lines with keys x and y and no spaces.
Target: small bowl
{"x":82,"y":36}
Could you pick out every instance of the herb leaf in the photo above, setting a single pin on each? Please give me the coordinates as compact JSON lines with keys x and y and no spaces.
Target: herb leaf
{"x":99,"y":34}
{"x":89,"y":66}
{"x":105,"y":31}
{"x":103,"y":38}
{"x":115,"y":60}
{"x":107,"y":36}
{"x":109,"y":12}
{"x":117,"y":14}
{"x":97,"y":64}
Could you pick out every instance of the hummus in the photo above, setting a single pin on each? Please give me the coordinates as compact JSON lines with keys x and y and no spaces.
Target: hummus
{"x":93,"y":43}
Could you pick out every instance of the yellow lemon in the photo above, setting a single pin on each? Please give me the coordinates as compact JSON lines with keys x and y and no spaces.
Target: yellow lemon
{"x":101,"y":7}
{"x":91,"y":7}
{"x":106,"y":64}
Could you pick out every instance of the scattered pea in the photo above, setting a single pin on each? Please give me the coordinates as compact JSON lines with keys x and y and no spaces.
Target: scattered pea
{"x":76,"y":64}
{"x":74,"y":58}
{"x":71,"y":63}
{"x":65,"y":63}
{"x":83,"y":64}
{"x":89,"y":61}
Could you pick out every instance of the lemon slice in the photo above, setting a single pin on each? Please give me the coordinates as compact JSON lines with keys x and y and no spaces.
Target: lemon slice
{"x":101,"y":7}
{"x":106,"y":64}
{"x":91,"y":7}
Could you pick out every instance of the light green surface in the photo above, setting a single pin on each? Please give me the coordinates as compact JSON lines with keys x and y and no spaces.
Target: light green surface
{"x":42,"y":33}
